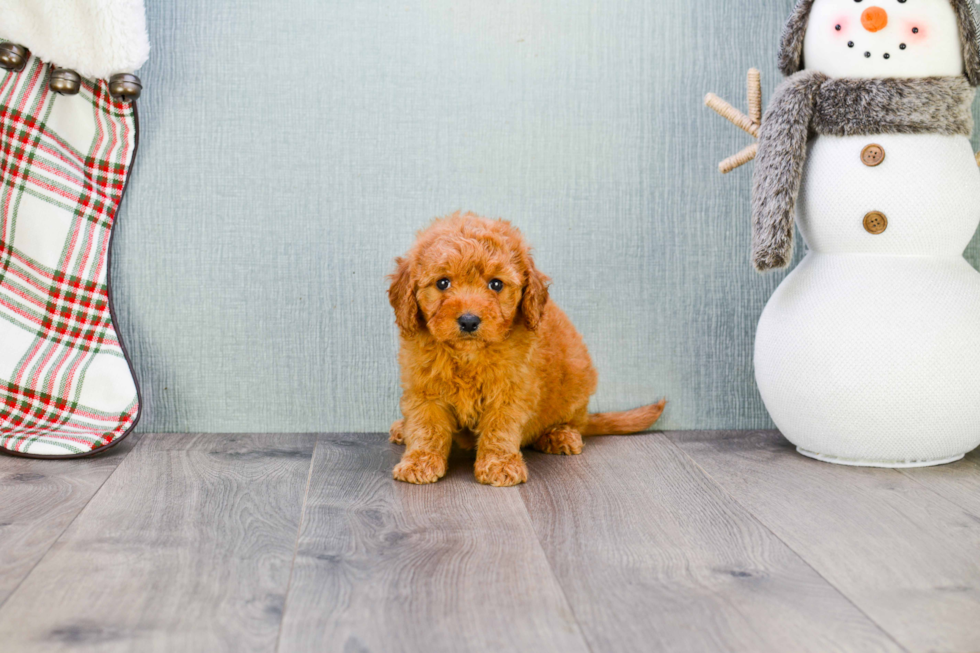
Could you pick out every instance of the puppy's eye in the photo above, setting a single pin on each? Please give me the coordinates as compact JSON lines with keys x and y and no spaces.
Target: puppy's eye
{"x":496,"y":285}
{"x":443,"y":284}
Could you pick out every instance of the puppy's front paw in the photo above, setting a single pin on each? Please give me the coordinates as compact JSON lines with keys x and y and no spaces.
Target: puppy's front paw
{"x":420,"y":467}
{"x":501,"y":471}
{"x":396,"y":434}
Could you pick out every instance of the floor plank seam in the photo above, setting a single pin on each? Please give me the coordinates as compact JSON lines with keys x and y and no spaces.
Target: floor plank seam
{"x":139,"y":441}
{"x":551,"y":570}
{"x":299,"y":534}
{"x":938,"y":494}
{"x":763,"y":524}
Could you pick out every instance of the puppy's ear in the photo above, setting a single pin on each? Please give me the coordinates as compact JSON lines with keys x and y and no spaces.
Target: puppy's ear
{"x":535,"y":294}
{"x":401,"y":295}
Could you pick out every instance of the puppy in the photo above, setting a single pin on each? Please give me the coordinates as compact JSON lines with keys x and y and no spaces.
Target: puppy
{"x":487,"y":359}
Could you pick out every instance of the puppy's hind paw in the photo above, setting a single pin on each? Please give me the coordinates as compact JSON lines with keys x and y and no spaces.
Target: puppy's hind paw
{"x":501,"y":471}
{"x":396,"y":434}
{"x":420,"y":467}
{"x":561,"y":441}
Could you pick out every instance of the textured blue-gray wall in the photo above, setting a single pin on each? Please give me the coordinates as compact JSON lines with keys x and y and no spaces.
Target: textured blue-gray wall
{"x":290,"y":149}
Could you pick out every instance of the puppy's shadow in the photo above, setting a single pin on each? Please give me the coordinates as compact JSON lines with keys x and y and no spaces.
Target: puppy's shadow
{"x":461,"y":464}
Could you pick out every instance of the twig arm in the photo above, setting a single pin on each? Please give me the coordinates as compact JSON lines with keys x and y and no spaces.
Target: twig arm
{"x":739,"y":160}
{"x":755,"y":95}
{"x":731,"y":114}
{"x":750,"y":123}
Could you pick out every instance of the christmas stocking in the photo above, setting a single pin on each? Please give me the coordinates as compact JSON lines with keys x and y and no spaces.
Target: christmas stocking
{"x":68,"y":137}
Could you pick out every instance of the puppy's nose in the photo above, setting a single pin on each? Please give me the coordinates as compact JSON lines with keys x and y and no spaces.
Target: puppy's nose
{"x":468,"y":323}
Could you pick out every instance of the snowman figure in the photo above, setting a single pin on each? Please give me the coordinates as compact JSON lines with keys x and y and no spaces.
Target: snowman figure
{"x":868,"y":353}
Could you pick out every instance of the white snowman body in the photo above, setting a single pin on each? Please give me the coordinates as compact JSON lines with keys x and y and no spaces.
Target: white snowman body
{"x":869,"y":352}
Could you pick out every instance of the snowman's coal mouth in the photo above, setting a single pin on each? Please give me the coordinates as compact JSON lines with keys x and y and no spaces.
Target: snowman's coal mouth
{"x":868,"y":54}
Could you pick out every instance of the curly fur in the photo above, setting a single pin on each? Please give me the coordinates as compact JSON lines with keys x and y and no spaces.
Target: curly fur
{"x":791,"y":46}
{"x":810,"y":102}
{"x":524,"y":378}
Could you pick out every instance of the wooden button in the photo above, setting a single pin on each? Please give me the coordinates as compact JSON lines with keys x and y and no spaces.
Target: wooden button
{"x":872,"y":155}
{"x":875,"y":223}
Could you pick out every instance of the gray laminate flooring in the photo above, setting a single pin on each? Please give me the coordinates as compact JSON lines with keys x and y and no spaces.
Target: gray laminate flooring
{"x":688,"y":541}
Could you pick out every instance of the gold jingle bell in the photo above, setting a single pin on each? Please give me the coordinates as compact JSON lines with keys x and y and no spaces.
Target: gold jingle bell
{"x":13,"y":57}
{"x":125,"y":87}
{"x":64,"y":81}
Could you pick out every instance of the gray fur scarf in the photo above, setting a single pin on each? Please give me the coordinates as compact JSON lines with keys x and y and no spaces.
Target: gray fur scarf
{"x":812,"y":103}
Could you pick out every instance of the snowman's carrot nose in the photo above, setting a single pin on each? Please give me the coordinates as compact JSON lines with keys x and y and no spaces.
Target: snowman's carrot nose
{"x":874,"y":19}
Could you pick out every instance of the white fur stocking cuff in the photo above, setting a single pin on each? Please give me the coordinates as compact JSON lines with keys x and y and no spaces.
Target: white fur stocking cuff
{"x":95,"y":38}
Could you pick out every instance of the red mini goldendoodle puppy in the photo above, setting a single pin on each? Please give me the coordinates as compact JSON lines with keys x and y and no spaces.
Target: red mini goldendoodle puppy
{"x":487,"y":359}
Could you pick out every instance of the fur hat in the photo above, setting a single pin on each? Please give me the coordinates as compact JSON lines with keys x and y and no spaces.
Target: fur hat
{"x":791,"y":50}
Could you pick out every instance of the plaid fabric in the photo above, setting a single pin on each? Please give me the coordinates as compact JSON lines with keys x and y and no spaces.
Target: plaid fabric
{"x":66,"y":387}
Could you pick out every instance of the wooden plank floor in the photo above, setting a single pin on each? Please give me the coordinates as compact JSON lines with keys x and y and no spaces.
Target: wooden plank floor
{"x":695,"y":541}
{"x":384,"y":566}
{"x":905,"y":555}
{"x":38,"y":500}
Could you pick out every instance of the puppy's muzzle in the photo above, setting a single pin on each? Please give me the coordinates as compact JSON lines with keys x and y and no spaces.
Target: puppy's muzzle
{"x":468,"y":323}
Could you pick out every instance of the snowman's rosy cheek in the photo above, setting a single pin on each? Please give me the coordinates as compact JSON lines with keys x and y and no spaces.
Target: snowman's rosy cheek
{"x":915,"y":31}
{"x":840,"y":26}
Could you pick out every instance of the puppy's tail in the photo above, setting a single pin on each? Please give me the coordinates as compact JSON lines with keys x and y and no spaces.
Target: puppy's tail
{"x":626,"y":422}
